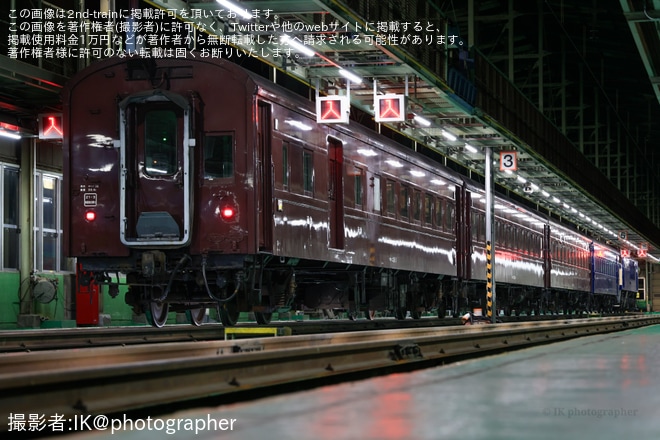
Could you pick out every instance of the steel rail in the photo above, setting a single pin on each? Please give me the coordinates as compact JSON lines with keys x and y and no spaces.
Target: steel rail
{"x":112,"y":380}
{"x":42,"y":339}
{"x":81,"y":337}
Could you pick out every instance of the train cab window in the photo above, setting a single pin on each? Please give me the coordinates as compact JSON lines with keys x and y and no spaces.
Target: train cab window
{"x":308,"y":172}
{"x":218,"y":156}
{"x":404,"y":201}
{"x":428,"y":209}
{"x":160,"y":142}
{"x":390,"y":197}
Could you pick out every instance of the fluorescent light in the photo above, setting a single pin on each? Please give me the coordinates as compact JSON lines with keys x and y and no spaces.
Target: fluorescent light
{"x":236,"y":9}
{"x":417,"y":173}
{"x":545,"y":194}
{"x":556,"y":200}
{"x":9,"y":134}
{"x":470,"y":148}
{"x":448,"y":135}
{"x":298,"y":46}
{"x":422,"y":121}
{"x":509,"y":172}
{"x":521,"y":179}
{"x":351,"y":76}
{"x":438,"y":181}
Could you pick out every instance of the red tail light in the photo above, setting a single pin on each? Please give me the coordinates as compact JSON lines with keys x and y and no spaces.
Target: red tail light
{"x":228,"y":213}
{"x":90,"y":216}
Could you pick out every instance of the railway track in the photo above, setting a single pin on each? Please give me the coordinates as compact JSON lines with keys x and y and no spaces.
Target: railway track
{"x":113,"y":380}
{"x":82,"y":337}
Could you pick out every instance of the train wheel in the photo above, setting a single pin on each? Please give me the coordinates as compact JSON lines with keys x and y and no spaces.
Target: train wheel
{"x":196,"y":316}
{"x":228,"y":313}
{"x":263,"y":318}
{"x":157,"y":313}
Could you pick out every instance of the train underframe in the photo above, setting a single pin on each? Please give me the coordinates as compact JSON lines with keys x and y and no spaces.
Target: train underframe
{"x":160,"y":282}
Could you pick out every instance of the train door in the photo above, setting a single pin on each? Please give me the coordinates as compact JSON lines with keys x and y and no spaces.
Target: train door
{"x":547,"y":257}
{"x":463,"y":233}
{"x":336,"y":192}
{"x":265,"y":170}
{"x":154,"y":170}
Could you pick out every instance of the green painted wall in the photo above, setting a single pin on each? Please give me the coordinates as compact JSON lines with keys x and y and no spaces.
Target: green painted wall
{"x":9,"y":282}
{"x":58,"y":310}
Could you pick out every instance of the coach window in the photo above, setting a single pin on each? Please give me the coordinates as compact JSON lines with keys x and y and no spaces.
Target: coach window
{"x":10,"y":197}
{"x":390,"y":197}
{"x":527,"y":243}
{"x":417,"y":205}
{"x":449,"y":216}
{"x":377,"y":193}
{"x":428,"y":210}
{"x":285,"y":165}
{"x":404,"y":201}
{"x":500,"y":233}
{"x":160,"y":142}
{"x":439,"y":221}
{"x":218,"y":156}
{"x":47,"y":222}
{"x":308,"y":172}
{"x":357,"y":180}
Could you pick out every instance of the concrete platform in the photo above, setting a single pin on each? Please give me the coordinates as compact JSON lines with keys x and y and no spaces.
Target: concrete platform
{"x":595,"y":387}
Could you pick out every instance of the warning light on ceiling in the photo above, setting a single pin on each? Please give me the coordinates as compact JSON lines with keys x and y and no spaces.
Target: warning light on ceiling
{"x":50,"y":126}
{"x":10,"y":131}
{"x":390,"y":108}
{"x":332,"y":109}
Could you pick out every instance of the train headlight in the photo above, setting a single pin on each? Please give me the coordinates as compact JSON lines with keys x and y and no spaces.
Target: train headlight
{"x":90,"y":216}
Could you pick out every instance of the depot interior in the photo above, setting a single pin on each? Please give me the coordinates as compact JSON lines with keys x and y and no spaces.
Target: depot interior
{"x":590,"y":72}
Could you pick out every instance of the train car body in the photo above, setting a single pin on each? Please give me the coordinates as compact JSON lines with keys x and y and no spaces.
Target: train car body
{"x":629,"y":281}
{"x":208,"y":186}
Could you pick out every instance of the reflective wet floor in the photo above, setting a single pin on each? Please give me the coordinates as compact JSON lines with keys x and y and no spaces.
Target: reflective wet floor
{"x":594,"y":387}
